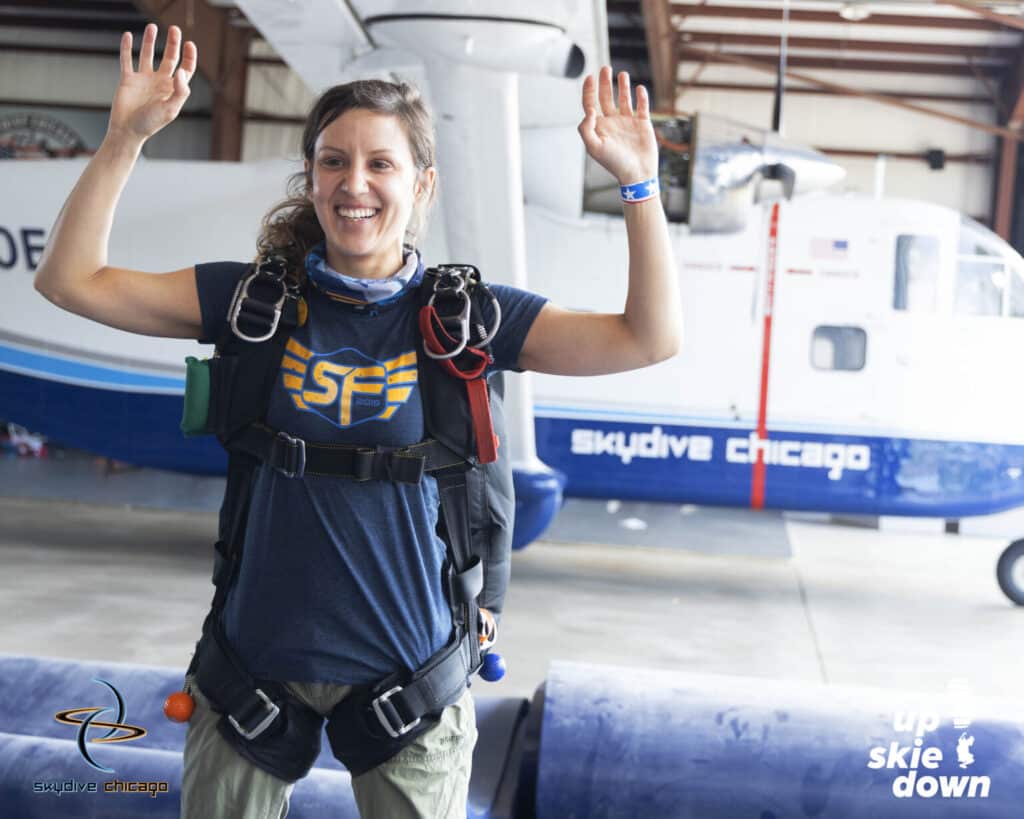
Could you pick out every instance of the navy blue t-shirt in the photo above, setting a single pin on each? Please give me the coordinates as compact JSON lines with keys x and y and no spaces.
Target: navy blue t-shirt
{"x":341,"y":580}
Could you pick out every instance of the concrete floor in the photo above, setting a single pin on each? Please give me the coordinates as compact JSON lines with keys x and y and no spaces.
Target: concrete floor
{"x":849,"y":606}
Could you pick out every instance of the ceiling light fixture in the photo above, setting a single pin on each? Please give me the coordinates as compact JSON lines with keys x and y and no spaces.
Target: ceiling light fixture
{"x":854,"y":12}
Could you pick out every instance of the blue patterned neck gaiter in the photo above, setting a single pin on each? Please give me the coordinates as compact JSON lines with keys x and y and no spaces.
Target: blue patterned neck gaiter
{"x":354,"y":290}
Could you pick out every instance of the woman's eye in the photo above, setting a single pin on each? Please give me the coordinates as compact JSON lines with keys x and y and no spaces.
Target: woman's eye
{"x":380,"y":163}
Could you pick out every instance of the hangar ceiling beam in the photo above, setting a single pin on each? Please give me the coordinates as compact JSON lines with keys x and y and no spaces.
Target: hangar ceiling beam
{"x":1005,"y":53}
{"x":855,"y":153}
{"x":958,"y":69}
{"x":61,"y":22}
{"x":807,"y":16}
{"x":920,"y":156}
{"x":970,"y":99}
{"x":223,"y":61}
{"x":976,"y":8}
{"x":758,"y":65}
{"x":103,"y":6}
{"x":661,"y":50}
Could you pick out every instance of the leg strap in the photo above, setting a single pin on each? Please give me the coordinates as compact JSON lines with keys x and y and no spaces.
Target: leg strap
{"x":261,"y":719}
{"x":373,"y":724}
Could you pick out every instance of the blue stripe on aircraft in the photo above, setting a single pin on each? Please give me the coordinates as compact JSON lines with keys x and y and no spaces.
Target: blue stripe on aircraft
{"x":135,"y":427}
{"x":857,"y":474}
{"x":50,"y":367}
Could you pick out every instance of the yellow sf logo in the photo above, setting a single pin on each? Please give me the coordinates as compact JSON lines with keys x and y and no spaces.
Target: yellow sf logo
{"x":353,"y":380}
{"x":315,"y":384}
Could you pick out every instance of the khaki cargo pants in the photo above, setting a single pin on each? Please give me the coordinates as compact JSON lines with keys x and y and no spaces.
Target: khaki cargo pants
{"x":429,"y":779}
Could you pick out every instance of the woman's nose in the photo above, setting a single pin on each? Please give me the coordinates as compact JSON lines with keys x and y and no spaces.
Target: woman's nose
{"x":354,"y":180}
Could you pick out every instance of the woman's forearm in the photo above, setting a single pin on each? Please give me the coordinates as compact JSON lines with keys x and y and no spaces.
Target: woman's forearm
{"x":77,"y":246}
{"x":653,"y":307}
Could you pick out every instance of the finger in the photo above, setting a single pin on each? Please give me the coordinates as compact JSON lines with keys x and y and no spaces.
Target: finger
{"x":190,"y":59}
{"x":589,"y":96}
{"x":587,"y":129}
{"x":181,"y":90}
{"x":604,"y":91}
{"x":590,"y":139}
{"x":126,"y":54}
{"x":172,"y":48}
{"x":146,"y":54}
{"x":643,"y":104}
{"x":625,"y":103}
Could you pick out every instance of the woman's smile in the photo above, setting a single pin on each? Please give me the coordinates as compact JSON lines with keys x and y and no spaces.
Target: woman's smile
{"x":357,"y":214}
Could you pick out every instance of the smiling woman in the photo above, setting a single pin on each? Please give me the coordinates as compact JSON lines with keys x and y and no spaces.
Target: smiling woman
{"x":362,"y":553}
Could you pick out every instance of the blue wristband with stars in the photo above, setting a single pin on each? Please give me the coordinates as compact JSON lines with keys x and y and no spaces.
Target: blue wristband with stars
{"x":640,"y":191}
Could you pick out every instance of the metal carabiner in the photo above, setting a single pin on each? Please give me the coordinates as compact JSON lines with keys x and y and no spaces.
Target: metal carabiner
{"x":463,"y":319}
{"x":442,"y":285}
{"x":481,"y":329}
{"x":241,"y":294}
{"x":272,"y":268}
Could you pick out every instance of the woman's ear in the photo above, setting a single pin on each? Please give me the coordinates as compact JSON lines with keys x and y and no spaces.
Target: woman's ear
{"x":426,"y":183}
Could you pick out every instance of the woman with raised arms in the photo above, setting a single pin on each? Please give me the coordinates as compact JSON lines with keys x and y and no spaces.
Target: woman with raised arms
{"x":340,"y":585}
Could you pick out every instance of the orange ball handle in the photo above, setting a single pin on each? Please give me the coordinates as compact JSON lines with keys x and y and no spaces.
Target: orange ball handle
{"x":179,"y":706}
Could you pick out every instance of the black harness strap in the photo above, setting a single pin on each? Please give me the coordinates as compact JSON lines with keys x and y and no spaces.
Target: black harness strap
{"x":466,"y":577}
{"x":296,"y":457}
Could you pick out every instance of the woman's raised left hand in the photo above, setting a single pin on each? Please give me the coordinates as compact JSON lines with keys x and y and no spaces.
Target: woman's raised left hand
{"x":622,"y":141}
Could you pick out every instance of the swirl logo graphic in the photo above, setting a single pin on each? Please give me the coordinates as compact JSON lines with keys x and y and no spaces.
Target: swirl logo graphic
{"x":73,"y":716}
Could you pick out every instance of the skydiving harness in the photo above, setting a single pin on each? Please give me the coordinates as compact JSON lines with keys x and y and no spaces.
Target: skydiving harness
{"x":229,"y":395}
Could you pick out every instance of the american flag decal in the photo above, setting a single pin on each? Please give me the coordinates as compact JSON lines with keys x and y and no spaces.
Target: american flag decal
{"x":829,"y":248}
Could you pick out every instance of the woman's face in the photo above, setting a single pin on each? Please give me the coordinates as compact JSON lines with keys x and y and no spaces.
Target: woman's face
{"x":362,"y":163}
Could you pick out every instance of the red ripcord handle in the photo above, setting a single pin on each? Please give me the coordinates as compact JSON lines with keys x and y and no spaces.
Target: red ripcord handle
{"x":480,"y":408}
{"x":476,"y":386}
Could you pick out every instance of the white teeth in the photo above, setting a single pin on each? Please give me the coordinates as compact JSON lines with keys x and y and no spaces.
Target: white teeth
{"x":356,"y":213}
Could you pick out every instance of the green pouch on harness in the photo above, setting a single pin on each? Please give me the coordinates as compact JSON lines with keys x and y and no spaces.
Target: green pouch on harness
{"x":196,"y":411}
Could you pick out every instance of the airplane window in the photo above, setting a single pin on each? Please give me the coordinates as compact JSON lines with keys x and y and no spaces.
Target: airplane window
{"x":838,"y":348}
{"x":990,"y":274}
{"x":980,"y":284}
{"x":916,"y":273}
{"x":1017,"y":293}
{"x":978,"y":240}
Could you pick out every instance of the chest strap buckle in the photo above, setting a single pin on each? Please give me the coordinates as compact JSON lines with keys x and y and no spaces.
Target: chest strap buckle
{"x":383,"y":464}
{"x":290,"y":457}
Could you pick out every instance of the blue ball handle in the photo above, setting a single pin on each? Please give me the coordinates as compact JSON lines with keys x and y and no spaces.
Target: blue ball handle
{"x":493,"y":668}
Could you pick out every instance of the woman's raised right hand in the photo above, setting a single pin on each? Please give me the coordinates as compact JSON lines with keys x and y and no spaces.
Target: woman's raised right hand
{"x":148,"y":99}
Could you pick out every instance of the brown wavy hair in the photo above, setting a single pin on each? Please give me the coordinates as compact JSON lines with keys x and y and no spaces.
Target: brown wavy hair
{"x":291,"y":228}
